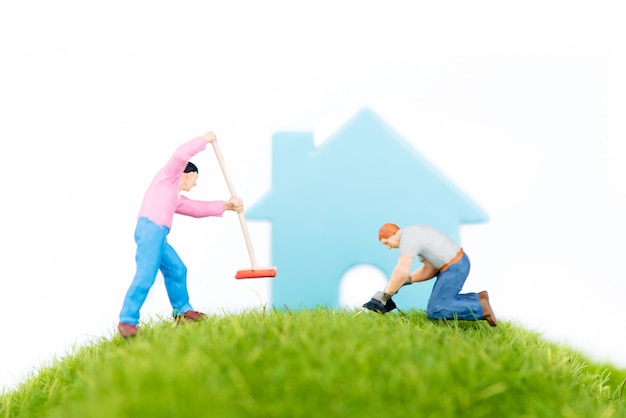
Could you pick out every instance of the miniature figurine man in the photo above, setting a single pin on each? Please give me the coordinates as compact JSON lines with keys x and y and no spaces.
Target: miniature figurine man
{"x":161,"y":201}
{"x":441,"y":257}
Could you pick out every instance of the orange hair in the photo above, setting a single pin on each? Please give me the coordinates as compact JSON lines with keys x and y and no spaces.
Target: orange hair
{"x":387,"y":230}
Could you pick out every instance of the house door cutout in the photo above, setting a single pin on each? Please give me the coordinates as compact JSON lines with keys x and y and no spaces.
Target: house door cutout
{"x":358,"y":285}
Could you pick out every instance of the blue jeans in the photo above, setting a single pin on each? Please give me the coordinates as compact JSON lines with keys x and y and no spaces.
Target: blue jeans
{"x":154,"y":254}
{"x":446,"y":301}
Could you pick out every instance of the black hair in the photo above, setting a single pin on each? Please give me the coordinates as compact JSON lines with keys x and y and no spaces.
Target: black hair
{"x":191,"y":168}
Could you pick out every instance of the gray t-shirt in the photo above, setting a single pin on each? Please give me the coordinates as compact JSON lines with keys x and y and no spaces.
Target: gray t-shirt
{"x":428,"y":244}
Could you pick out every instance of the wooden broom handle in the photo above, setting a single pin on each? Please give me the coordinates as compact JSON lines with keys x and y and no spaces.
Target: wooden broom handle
{"x":231,"y":188}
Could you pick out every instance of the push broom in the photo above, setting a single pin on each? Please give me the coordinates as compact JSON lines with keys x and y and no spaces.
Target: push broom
{"x":254,"y":271}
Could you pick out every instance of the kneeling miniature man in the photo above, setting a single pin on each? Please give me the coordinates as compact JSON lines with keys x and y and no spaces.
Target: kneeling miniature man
{"x":442,"y":258}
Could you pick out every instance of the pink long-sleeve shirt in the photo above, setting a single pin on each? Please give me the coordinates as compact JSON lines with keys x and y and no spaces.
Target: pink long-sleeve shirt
{"x":162,"y":199}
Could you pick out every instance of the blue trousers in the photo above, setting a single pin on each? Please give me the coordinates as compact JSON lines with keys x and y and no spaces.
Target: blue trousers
{"x":154,"y":254}
{"x":447,"y":302}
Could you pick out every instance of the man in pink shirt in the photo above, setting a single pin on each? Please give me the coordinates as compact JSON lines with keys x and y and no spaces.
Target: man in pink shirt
{"x":161,"y":201}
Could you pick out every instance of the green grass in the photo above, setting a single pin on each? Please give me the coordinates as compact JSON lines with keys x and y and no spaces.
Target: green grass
{"x":320,"y":362}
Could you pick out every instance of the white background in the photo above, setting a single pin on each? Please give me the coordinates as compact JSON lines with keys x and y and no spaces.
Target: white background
{"x":521,"y":103}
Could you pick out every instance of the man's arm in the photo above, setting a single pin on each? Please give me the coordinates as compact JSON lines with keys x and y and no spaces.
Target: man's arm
{"x":177,"y":162}
{"x":202,"y":209}
{"x":381,"y":301}
{"x":426,"y":272}
{"x":399,"y":274}
{"x":199,"y":208}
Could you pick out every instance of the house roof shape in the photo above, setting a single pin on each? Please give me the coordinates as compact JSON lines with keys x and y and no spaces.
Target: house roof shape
{"x":326,"y":203}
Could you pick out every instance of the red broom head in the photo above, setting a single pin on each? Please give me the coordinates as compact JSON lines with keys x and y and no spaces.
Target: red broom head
{"x":256,"y":273}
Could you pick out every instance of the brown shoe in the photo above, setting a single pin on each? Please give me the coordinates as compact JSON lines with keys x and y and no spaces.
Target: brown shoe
{"x":127,"y":330}
{"x":190,"y":316}
{"x":488,"y":315}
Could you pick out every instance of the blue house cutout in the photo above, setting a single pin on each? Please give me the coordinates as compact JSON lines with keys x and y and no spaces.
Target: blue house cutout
{"x":326,"y":204}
